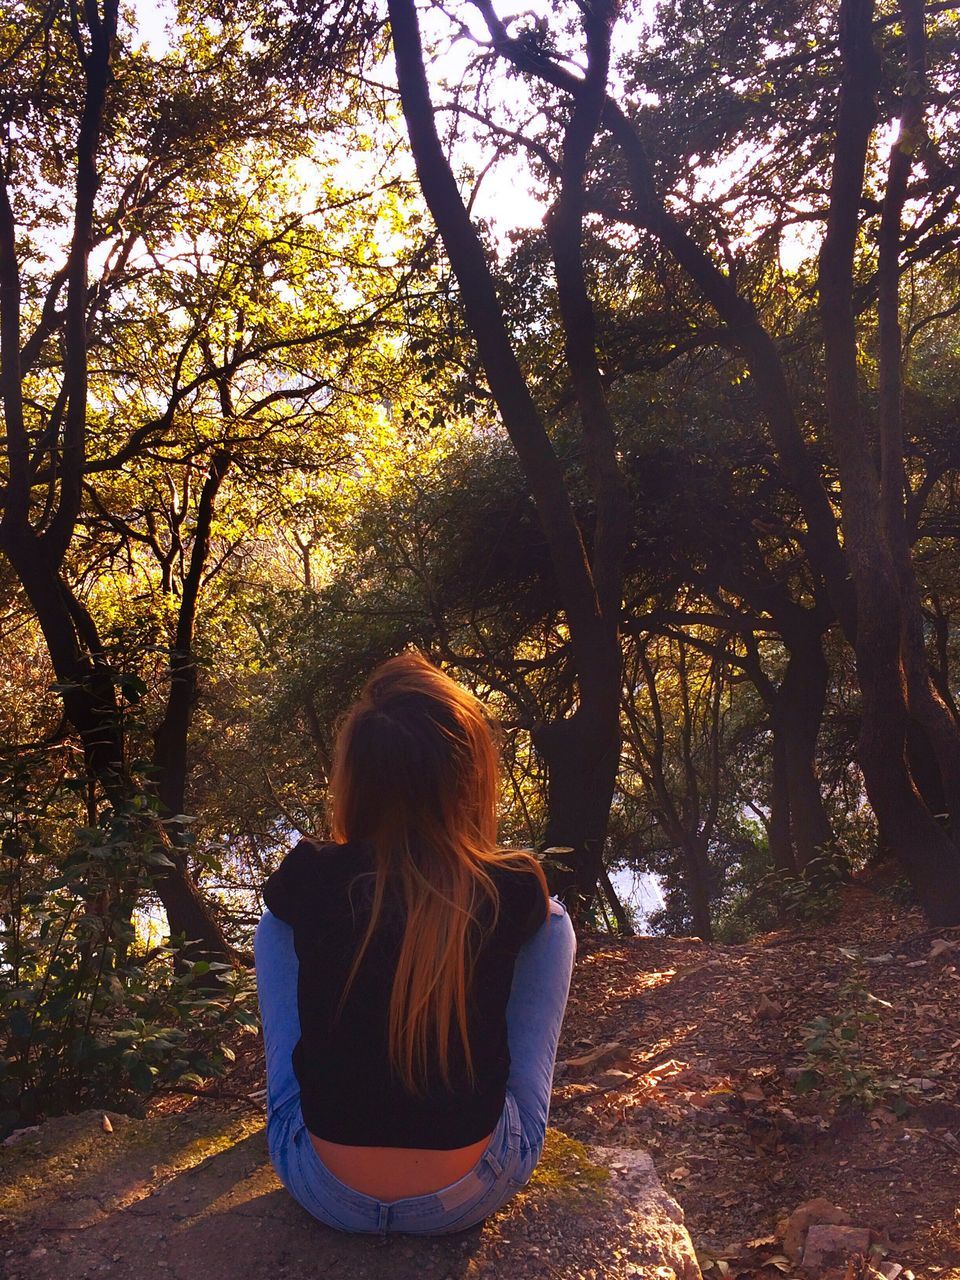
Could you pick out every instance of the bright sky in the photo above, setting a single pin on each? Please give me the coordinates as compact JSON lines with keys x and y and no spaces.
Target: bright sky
{"x":151,"y":18}
{"x":507,"y":199}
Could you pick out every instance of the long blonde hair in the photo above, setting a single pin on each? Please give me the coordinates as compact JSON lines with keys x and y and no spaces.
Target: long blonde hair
{"x":416,"y":775}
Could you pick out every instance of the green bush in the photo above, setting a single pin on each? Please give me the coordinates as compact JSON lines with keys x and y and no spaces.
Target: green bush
{"x":779,"y":897}
{"x":86,"y":1018}
{"x":838,"y":1063}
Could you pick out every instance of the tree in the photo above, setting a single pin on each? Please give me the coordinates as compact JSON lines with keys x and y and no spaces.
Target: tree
{"x":580,"y":750}
{"x":633,"y":173}
{"x":210,"y":337}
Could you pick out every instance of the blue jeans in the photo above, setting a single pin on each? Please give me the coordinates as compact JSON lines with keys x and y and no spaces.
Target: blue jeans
{"x":538,"y":998}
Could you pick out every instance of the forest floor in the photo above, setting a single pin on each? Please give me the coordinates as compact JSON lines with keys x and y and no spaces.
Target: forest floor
{"x":694,"y":1052}
{"x":714,"y":1047}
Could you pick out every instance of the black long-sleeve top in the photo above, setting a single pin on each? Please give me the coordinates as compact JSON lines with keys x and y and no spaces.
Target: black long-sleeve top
{"x":349,"y":1094}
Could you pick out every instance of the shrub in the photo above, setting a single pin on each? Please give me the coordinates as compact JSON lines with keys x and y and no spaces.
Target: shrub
{"x":837,"y":1061}
{"x":87,"y":1018}
{"x":780,"y":897}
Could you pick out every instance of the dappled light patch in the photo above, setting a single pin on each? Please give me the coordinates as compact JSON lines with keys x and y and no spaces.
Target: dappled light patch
{"x":74,"y":1160}
{"x":567,"y":1166}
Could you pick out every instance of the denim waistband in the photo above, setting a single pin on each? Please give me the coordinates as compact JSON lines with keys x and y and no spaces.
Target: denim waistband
{"x":503,"y":1148}
{"x":331,"y":1194}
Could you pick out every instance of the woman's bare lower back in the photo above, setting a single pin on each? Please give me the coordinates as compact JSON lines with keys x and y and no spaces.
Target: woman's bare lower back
{"x":393,"y":1173}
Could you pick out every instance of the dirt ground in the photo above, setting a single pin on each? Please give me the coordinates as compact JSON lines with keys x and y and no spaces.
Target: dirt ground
{"x":177,"y":1194}
{"x":713,"y":1041}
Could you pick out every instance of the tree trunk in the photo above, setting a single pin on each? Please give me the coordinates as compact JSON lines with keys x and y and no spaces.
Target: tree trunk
{"x":925,"y":772}
{"x":616,"y":906}
{"x":90,"y":705}
{"x":188,"y":915}
{"x":581,"y":767}
{"x":697,"y":882}
{"x":927,"y":708}
{"x":581,"y":752}
{"x":799,"y":826}
{"x":929,"y":857}
{"x":924,"y":850}
{"x":801,"y":699}
{"x":778,"y":832}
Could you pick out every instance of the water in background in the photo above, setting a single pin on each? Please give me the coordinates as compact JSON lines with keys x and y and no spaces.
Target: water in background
{"x":639,"y":891}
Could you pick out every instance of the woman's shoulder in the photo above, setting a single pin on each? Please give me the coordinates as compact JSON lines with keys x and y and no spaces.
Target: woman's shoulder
{"x":519,"y":886}
{"x":329,"y":852}
{"x":513,"y":868}
{"x":313,"y":856}
{"x":311,"y":867}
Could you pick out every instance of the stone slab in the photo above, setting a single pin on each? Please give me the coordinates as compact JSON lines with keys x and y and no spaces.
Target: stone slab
{"x":194,"y":1195}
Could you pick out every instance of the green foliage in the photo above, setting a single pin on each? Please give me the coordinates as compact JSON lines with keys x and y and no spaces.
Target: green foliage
{"x":837,"y":1063}
{"x":776,"y":898}
{"x":813,"y":894}
{"x":899,"y":891}
{"x":87,"y":1017}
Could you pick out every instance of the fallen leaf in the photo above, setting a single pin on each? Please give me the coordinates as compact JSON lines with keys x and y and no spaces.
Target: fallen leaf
{"x":669,"y":1068}
{"x":602,"y":1056}
{"x":768,"y":1009}
{"x":939,"y":945}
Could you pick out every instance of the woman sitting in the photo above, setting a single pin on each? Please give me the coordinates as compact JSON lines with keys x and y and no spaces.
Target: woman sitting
{"x":412,"y":976}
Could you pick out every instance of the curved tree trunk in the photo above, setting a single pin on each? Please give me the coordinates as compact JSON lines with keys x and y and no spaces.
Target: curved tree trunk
{"x":926,"y":705}
{"x":90,"y":705}
{"x":616,"y":906}
{"x":581,"y":752}
{"x":923,"y":848}
{"x":188,"y":915}
{"x":872,"y":499}
{"x":581,"y":776}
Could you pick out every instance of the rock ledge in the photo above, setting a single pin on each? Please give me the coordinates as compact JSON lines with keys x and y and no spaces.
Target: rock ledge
{"x":162,"y":1195}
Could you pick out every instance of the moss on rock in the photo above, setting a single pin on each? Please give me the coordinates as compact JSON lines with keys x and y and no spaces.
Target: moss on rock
{"x":566,"y":1166}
